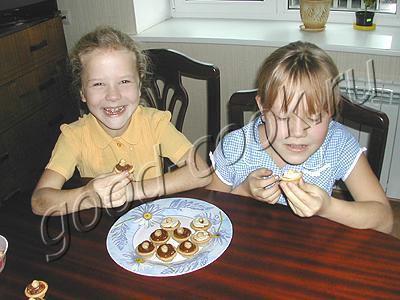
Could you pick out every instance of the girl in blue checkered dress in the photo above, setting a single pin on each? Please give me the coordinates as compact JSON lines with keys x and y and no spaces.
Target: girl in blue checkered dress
{"x":297,"y":97}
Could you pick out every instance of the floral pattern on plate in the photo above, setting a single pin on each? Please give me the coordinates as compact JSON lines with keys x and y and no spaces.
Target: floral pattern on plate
{"x":137,"y":224}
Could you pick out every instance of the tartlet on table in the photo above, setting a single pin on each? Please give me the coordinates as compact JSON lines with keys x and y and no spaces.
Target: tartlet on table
{"x":36,"y":289}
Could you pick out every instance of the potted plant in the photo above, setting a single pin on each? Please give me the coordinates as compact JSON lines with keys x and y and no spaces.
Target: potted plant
{"x":366,"y":17}
{"x":314,"y":14}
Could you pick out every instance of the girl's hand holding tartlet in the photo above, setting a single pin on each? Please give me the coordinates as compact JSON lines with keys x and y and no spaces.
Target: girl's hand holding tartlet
{"x":292,"y":176}
{"x":111,"y":188}
{"x":262,"y":185}
{"x":305,"y":199}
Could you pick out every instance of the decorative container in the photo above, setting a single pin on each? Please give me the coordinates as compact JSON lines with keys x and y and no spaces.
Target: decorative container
{"x":314,"y":14}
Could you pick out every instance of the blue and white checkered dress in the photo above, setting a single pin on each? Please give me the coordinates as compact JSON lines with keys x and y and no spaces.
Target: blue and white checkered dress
{"x":240,"y":153}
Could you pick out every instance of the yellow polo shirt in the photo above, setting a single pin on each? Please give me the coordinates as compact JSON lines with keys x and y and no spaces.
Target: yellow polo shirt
{"x":84,"y":144}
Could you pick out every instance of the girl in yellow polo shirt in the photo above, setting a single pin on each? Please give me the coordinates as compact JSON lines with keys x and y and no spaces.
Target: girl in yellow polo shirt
{"x":108,"y":69}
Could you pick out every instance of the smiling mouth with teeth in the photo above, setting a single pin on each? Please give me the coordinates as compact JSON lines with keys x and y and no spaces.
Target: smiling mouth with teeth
{"x":296,"y":148}
{"x":114,"y":110}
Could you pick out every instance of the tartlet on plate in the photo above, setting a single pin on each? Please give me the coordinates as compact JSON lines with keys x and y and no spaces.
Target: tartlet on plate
{"x":200,"y":237}
{"x":146,"y":249}
{"x":200,"y":223}
{"x":170,"y":224}
{"x":166,"y":252}
{"x":159,"y":236}
{"x":187,"y":249}
{"x":181,"y":234}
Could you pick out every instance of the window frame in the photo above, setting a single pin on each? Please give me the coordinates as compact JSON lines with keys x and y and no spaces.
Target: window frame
{"x":265,"y":10}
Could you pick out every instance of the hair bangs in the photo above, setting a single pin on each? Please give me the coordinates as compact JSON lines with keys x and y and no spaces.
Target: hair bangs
{"x":314,"y":88}
{"x":300,"y":72}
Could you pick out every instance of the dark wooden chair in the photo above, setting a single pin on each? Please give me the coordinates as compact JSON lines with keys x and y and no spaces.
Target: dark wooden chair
{"x":353,"y":115}
{"x":164,"y":88}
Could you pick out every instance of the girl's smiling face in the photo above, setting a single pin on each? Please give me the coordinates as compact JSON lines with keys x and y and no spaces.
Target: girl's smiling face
{"x":111,"y":87}
{"x":292,"y":135}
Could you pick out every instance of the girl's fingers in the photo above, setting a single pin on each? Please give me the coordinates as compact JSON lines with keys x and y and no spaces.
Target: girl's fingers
{"x":294,"y":208}
{"x":270,"y":195}
{"x":293,"y":191}
{"x":270,"y":191}
{"x":295,"y":201}
{"x":276,"y":196}
{"x":121,"y":185}
{"x":268,"y":181}
{"x":260,"y":173}
{"x":120,"y":202}
{"x":118,"y":182}
{"x":116,"y":199}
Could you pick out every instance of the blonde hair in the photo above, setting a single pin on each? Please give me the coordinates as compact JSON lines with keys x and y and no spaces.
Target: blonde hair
{"x":104,"y":37}
{"x":304,"y":66}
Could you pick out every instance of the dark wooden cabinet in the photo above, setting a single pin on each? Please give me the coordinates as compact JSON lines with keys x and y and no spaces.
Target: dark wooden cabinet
{"x":34,"y":102}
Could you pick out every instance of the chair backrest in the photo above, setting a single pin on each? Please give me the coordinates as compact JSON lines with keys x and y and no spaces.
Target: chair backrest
{"x":356,"y":116}
{"x":164,"y":88}
{"x":374,"y":122}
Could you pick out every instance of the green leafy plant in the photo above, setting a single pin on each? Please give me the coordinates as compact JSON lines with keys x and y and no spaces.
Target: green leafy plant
{"x":365,"y":17}
{"x":369,"y":4}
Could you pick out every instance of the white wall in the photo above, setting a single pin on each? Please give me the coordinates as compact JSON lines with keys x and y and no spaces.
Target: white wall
{"x":150,"y":12}
{"x":130,"y":16}
{"x":87,"y":14}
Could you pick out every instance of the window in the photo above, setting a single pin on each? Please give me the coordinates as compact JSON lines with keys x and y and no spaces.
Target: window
{"x":387,"y":11}
{"x":247,"y":9}
{"x":382,"y":6}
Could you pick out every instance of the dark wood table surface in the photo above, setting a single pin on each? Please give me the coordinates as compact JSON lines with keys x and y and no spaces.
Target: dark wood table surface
{"x":273,"y":254}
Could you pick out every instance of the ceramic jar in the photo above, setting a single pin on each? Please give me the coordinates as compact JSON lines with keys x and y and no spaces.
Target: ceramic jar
{"x":314,"y":13}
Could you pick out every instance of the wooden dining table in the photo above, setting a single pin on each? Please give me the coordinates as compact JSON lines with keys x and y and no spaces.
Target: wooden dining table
{"x":273,"y":254}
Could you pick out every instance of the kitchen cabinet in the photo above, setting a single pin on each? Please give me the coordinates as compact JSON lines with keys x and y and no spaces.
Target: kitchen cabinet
{"x":34,"y":101}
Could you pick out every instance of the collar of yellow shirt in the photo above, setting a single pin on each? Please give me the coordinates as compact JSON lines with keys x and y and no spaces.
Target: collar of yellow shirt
{"x":102,"y":139}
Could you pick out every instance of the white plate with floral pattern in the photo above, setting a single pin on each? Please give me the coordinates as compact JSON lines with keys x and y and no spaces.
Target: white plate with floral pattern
{"x":137,"y":224}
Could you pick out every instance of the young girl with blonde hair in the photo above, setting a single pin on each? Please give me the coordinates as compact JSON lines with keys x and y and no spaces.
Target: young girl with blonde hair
{"x":108,"y":69}
{"x":298,"y":97}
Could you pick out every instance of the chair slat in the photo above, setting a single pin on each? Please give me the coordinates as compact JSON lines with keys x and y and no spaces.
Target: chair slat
{"x":168,"y":67}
